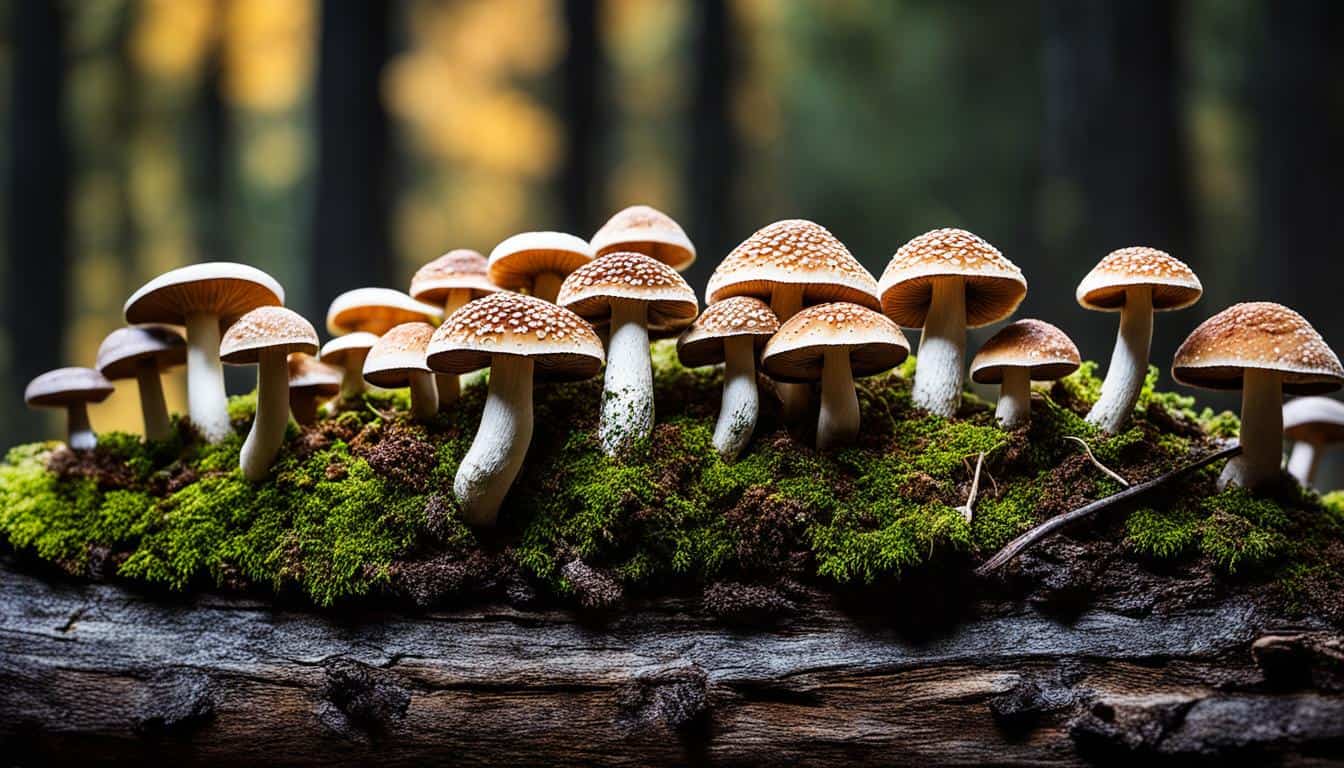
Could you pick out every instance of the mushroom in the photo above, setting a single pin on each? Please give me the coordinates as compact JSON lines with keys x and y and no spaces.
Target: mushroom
{"x":646,"y":230}
{"x":206,"y":298}
{"x":1020,"y":353}
{"x":791,"y":264}
{"x":348,"y":352}
{"x":731,"y":332}
{"x":450,"y":281}
{"x":1312,"y":423}
{"x":537,"y":262}
{"x":398,"y":360}
{"x":309,"y":381}
{"x":635,"y":293}
{"x":946,"y":281}
{"x":835,"y":343}
{"x":1136,"y":282}
{"x":517,"y":337}
{"x":375,"y":311}
{"x":265,"y":337}
{"x":1264,"y":350}
{"x":72,"y":389}
{"x":142,"y":352}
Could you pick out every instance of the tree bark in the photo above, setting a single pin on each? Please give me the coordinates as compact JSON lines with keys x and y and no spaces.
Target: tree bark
{"x":581,"y":106}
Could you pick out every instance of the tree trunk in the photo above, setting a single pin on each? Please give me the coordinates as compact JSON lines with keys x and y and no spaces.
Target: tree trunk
{"x":712,"y":161}
{"x":580,"y":178}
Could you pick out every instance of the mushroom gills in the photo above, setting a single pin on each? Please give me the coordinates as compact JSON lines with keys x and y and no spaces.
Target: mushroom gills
{"x":942,"y":350}
{"x":153,"y":406}
{"x":741,"y":400}
{"x":496,"y":454}
{"x":206,"y":402}
{"x":1261,"y":432}
{"x":1129,"y":363}
{"x":1014,"y":408}
{"x":627,"y":393}
{"x":838,"y":421}
{"x":271,"y":418}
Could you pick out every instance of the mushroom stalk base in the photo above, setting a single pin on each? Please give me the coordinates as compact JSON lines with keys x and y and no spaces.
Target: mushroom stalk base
{"x":1261,"y":432}
{"x":546,"y":286}
{"x":1129,"y":363}
{"x":1014,"y":407}
{"x":206,"y":402}
{"x":153,"y":407}
{"x":942,"y":350}
{"x":838,"y":421}
{"x":786,"y":301}
{"x":424,"y":395}
{"x":271,"y":419}
{"x":627,"y":393}
{"x":497,"y":452}
{"x":78,"y":433}
{"x":352,"y":383}
{"x":741,"y":401}
{"x":1302,"y":462}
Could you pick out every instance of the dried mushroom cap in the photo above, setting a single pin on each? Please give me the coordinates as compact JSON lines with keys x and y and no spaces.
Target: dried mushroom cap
{"x":398,"y":353}
{"x":646,"y":230}
{"x":338,"y":349}
{"x":994,"y":285}
{"x":461,"y":269}
{"x":589,"y":290}
{"x":1174,"y":284}
{"x":1258,"y":335}
{"x":702,"y":343}
{"x":515,"y":262}
{"x":305,"y":372}
{"x":796,"y":353}
{"x":1317,"y":420}
{"x":561,"y":344}
{"x":66,"y":386}
{"x":1047,"y":351}
{"x":267,"y":329}
{"x":122,"y":352}
{"x":215,"y":288}
{"x":376,"y":310}
{"x":793,"y":252}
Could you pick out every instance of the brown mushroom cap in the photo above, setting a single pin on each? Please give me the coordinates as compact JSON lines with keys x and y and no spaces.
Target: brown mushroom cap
{"x":215,"y":288}
{"x":561,"y":344}
{"x":590,"y":289}
{"x":1315,"y":420}
{"x":646,"y":230}
{"x":120,"y":354}
{"x":515,"y":262}
{"x":306,"y":373}
{"x":793,"y":252}
{"x":67,"y":386}
{"x":1042,"y":348}
{"x":398,"y":353}
{"x":461,"y":269}
{"x":798,"y":351}
{"x":339,"y":349}
{"x":702,"y":343}
{"x":994,"y":285}
{"x":267,"y":329}
{"x":1174,"y":284}
{"x":1258,"y":335}
{"x":376,"y":310}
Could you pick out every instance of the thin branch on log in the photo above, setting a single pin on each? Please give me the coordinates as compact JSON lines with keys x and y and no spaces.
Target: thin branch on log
{"x":1092,"y":458}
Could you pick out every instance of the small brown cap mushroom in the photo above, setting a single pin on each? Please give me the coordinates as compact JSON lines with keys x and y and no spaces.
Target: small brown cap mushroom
{"x":702,"y":343}
{"x":461,"y":269}
{"x":590,"y":289}
{"x":267,"y":329}
{"x":1042,"y":348}
{"x":798,"y":351}
{"x":1258,"y":335}
{"x":340,"y":348}
{"x":561,"y":345}
{"x":515,"y":262}
{"x":1315,"y":420}
{"x":122,"y":352}
{"x":375,"y":310}
{"x":67,"y":386}
{"x":793,"y":252}
{"x":215,"y":288}
{"x":1174,"y":284}
{"x":994,"y":285}
{"x":398,"y":353}
{"x":646,"y":230}
{"x":306,"y":373}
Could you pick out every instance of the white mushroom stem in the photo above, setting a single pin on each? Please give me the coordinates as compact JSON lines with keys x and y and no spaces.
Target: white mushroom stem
{"x":496,"y":454}
{"x":786,"y":301}
{"x":206,"y":402}
{"x":153,"y":407}
{"x":838,"y":422}
{"x":741,"y":401}
{"x":1014,"y":397}
{"x":942,"y":350}
{"x":78,"y":433}
{"x":1302,"y":462}
{"x":546,"y":286}
{"x":1129,"y":363}
{"x":1261,"y":432}
{"x":271,"y":419}
{"x":424,"y":395}
{"x":627,"y":391}
{"x":352,"y":381}
{"x":450,"y":385}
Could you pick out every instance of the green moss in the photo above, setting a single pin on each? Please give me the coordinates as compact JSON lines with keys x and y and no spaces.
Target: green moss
{"x":1083,"y":385}
{"x":1164,"y":534}
{"x":998,"y":521}
{"x":38,"y":511}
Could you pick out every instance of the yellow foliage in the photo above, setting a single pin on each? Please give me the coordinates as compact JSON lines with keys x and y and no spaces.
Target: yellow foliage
{"x":268,"y":52}
{"x":171,"y":37}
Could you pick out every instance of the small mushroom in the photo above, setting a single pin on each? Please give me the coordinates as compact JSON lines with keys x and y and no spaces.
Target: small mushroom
{"x":376,"y":311}
{"x":72,"y":389}
{"x":310,"y":381}
{"x":732,"y":332}
{"x":348,"y":352}
{"x":450,"y":281}
{"x":1265,"y":350}
{"x":517,"y":337}
{"x":647,"y":230}
{"x":398,"y":360}
{"x":946,"y":281}
{"x":537,"y":262}
{"x":635,"y":293}
{"x":206,"y":298}
{"x":1313,"y":424}
{"x":265,"y":337}
{"x":1020,"y":353}
{"x":835,"y":343}
{"x":1136,"y":282}
{"x":143,"y":352}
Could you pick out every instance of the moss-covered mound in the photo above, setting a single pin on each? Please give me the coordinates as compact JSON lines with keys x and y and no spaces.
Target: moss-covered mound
{"x":361,"y":504}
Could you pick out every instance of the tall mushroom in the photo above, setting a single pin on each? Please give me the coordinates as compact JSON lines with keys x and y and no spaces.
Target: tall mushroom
{"x":946,"y":281}
{"x":537,"y":262}
{"x":517,"y":337}
{"x":635,"y":293}
{"x":1313,"y":424}
{"x":835,"y":343}
{"x":647,"y":230}
{"x":142,"y":352}
{"x":1020,"y":353}
{"x":1136,"y":282}
{"x":1265,"y":350}
{"x":732,"y":332}
{"x":206,"y":298}
{"x":348,"y":352}
{"x":310,"y":381}
{"x":72,"y":389}
{"x":398,"y":360}
{"x":450,"y":281}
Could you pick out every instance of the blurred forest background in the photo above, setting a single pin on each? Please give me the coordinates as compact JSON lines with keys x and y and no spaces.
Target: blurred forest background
{"x":344,"y":143}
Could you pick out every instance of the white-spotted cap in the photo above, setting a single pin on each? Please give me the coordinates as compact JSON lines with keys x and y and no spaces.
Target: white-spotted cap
{"x":1258,"y":335}
{"x":376,"y":310}
{"x":702,"y":343}
{"x":590,"y":289}
{"x":1175,"y":285}
{"x":67,"y":386}
{"x":517,"y":261}
{"x":126,"y":350}
{"x":994,"y":285}
{"x":646,"y":230}
{"x":797,"y":353}
{"x":1315,"y":420}
{"x":399,"y":353}
{"x":793,"y":252}
{"x":306,"y":373}
{"x":220,"y":288}
{"x":460,"y":269}
{"x":561,"y":344}
{"x":1046,"y":351}
{"x":338,"y":350}
{"x":267,"y":329}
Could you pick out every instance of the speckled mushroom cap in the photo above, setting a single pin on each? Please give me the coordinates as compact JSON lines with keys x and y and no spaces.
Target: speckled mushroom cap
{"x":994,"y":285}
{"x":590,"y":289}
{"x":1315,"y":420}
{"x":1259,"y":335}
{"x":215,"y":288}
{"x":1174,"y":285}
{"x":1038,"y":346}
{"x":376,"y":310}
{"x":461,"y":269}
{"x":339,"y":349}
{"x":646,"y":230}
{"x":515,"y":262}
{"x":561,"y":344}
{"x":124,"y":350}
{"x":398,"y":353}
{"x":306,"y":373}
{"x":702,"y":343}
{"x":793,"y":252}
{"x":67,"y":386}
{"x":797,"y":352}
{"x":267,"y":329}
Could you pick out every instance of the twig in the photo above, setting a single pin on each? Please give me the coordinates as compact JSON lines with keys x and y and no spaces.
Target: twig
{"x":1091,"y":457}
{"x":967,"y":510}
